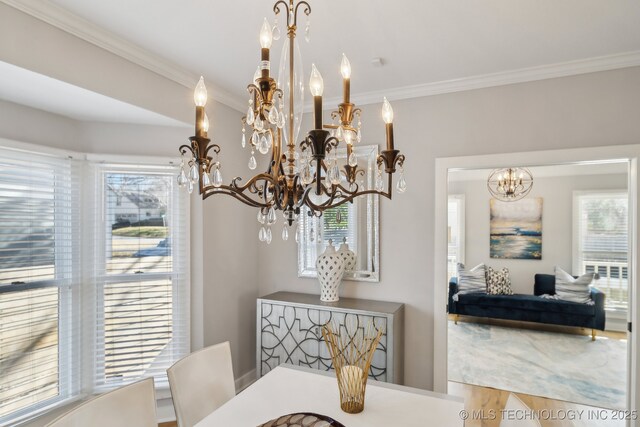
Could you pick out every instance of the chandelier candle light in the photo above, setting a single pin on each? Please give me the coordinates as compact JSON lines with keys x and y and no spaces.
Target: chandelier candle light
{"x":510,"y":184}
{"x":306,"y":174}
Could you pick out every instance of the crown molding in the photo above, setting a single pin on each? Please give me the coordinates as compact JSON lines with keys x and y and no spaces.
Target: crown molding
{"x":83,"y":29}
{"x":523,"y":75}
{"x":64,"y":20}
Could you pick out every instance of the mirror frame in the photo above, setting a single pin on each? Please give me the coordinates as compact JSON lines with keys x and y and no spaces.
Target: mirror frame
{"x":370,"y":153}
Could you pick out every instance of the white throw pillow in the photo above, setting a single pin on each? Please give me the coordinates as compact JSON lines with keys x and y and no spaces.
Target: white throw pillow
{"x":574,"y":290}
{"x":473,"y":280}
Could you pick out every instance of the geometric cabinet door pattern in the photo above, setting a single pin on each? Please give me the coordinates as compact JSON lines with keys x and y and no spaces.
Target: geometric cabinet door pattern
{"x":289,"y":331}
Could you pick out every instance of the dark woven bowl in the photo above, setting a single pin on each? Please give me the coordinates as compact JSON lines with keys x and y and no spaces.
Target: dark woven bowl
{"x":303,"y":419}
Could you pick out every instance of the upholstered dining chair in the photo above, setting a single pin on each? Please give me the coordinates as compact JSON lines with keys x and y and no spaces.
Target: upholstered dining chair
{"x":515,"y":404}
{"x":201,"y":382}
{"x":133,"y":405}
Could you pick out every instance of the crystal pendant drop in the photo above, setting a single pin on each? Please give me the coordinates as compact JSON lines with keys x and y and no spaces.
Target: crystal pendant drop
{"x":258,"y":124}
{"x":261,"y":217}
{"x":307,"y":31}
{"x":298,"y":233}
{"x":353,"y":160}
{"x":359,"y":135}
{"x":262,"y":234}
{"x":255,"y":138}
{"x":269,"y":236}
{"x":335,"y":174}
{"x":217,"y":177}
{"x":275,"y":32}
{"x":269,"y":141}
{"x":190,"y":187}
{"x":306,"y":176}
{"x":182,"y":178}
{"x":252,"y":162}
{"x":206,"y":180}
{"x":263,"y":146}
{"x":281,"y":120}
{"x":194,"y":175}
{"x":271,"y":216}
{"x":339,"y":216}
{"x":273,"y":115}
{"x":285,"y":233}
{"x":250,"y":116}
{"x":402,"y":183}
{"x":339,"y":133}
{"x":244,"y":140}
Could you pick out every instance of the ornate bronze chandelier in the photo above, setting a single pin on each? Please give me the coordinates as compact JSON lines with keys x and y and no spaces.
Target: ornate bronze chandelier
{"x":306,"y":174}
{"x":510,"y":184}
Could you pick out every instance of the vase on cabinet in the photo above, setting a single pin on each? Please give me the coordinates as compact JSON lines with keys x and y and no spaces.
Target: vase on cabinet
{"x":347,"y":255}
{"x":330,"y":266}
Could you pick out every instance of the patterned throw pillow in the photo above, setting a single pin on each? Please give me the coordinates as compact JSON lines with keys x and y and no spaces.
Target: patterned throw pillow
{"x":473,"y":280}
{"x":574,"y":290}
{"x":498,"y":282}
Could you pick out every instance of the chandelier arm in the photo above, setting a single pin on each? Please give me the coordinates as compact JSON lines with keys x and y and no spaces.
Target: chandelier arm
{"x":276,"y":7}
{"x":307,"y":11}
{"x":324,"y":206}
{"x":184,"y":149}
{"x":229,"y":191}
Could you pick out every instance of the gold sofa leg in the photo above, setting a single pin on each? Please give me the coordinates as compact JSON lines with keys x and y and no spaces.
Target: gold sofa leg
{"x":593,"y":335}
{"x":455,"y":319}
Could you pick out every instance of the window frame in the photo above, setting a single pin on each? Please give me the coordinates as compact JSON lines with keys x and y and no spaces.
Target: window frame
{"x":576,"y":241}
{"x":77,"y":310}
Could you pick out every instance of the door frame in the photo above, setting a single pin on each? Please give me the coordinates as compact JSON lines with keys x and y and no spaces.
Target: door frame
{"x":628,"y":153}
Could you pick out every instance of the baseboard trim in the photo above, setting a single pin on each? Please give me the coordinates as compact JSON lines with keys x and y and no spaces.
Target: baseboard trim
{"x":245,"y":380}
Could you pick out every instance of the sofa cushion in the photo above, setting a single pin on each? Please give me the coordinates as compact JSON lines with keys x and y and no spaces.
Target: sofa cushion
{"x":473,"y":280}
{"x":498,"y":282}
{"x":525,"y":302}
{"x":544,"y":284}
{"x":575,"y":290}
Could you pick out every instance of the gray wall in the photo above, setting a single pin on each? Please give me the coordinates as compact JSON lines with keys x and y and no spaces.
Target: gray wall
{"x":582,"y":111}
{"x":557,"y":224}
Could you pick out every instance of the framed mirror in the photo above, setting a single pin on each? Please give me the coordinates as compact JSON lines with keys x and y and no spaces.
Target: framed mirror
{"x":356,"y":223}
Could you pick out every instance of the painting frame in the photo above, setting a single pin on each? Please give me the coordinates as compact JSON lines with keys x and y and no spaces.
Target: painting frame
{"x":515,"y":230}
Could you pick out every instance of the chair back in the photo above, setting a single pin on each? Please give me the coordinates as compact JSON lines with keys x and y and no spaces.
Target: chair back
{"x":201,"y":382}
{"x":521,"y":413}
{"x":133,"y":405}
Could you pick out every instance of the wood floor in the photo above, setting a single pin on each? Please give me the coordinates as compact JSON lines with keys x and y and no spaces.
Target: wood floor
{"x":491,"y":401}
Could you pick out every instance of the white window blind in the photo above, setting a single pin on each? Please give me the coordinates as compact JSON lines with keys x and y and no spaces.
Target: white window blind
{"x":141,"y":288}
{"x":39,"y":277}
{"x":455,"y":233}
{"x":336,"y":224}
{"x":602,"y":242}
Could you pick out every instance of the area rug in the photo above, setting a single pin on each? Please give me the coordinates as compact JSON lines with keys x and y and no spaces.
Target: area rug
{"x":555,"y":365}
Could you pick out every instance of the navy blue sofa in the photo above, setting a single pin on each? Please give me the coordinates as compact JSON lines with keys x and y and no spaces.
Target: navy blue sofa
{"x":531,"y":308}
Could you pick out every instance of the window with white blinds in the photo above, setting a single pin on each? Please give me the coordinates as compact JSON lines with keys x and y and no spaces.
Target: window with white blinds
{"x":140,"y":273}
{"x":39,"y":272}
{"x":601,"y":243}
{"x":94,"y":288}
{"x":455,"y":233}
{"x":335,"y":224}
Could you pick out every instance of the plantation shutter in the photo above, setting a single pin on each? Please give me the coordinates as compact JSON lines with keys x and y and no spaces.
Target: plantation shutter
{"x":39,"y":272}
{"x":141,"y":282}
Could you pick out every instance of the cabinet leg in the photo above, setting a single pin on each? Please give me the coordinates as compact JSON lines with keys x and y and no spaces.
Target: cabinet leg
{"x":455,"y":318}
{"x":593,"y":335}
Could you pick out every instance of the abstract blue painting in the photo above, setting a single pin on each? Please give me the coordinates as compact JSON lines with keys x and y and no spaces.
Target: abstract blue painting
{"x":516,"y":229}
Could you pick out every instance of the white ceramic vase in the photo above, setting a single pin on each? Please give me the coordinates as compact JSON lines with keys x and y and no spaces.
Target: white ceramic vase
{"x":347,"y":255}
{"x":330,"y":267}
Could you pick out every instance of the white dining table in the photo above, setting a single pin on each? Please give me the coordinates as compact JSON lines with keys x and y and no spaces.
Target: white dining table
{"x":290,"y":389}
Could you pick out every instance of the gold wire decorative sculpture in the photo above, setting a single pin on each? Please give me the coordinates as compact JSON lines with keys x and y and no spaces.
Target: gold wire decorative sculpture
{"x":351,"y":354}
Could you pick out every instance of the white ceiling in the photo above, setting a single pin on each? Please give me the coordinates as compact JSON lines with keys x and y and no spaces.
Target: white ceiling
{"x":421,"y":42}
{"x":44,"y":93}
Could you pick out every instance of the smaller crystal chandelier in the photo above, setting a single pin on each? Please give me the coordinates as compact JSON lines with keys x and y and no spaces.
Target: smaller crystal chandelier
{"x":510,"y":184}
